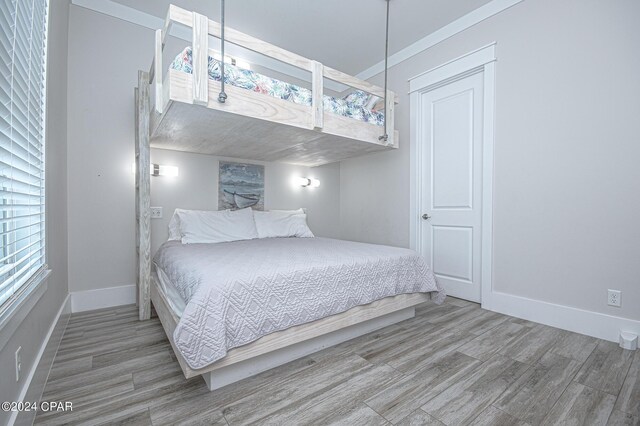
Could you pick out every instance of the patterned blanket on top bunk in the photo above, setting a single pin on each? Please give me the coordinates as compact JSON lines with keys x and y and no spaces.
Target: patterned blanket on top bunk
{"x":357,"y":105}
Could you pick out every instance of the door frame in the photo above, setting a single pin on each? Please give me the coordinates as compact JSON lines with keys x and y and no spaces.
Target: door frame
{"x":478,"y":61}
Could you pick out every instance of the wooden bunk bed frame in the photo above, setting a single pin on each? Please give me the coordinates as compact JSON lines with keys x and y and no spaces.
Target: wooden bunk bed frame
{"x":278,"y":348}
{"x":185,"y":116}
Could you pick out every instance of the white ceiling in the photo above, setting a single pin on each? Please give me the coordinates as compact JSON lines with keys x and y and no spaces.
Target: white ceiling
{"x":345,"y":34}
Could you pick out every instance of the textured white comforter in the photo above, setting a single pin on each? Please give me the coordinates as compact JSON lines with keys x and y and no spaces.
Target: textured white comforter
{"x":240,"y":291}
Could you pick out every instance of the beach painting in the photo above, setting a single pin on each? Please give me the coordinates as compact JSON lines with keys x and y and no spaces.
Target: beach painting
{"x":240,"y":185}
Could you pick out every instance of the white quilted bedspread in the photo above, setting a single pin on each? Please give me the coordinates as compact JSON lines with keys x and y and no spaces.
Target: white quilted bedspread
{"x":240,"y":291}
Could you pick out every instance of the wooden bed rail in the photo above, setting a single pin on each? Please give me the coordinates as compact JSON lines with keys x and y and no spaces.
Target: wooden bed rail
{"x":203,"y":27}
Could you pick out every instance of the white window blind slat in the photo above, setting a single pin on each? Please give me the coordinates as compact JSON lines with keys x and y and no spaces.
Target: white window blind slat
{"x":21,"y":159}
{"x":20,"y":180}
{"x":8,"y":139}
{"x":22,"y":167}
{"x":20,"y":211}
{"x":23,"y":25}
{"x":18,"y":219}
{"x":18,"y":185}
{"x":20,"y":237}
{"x":34,"y":249}
{"x":16,"y":259}
{"x":15,"y":281}
{"x":16,"y":197}
{"x":29,"y":221}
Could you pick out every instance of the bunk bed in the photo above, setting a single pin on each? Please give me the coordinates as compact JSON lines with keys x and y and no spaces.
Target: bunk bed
{"x":296,"y":128}
{"x":181,"y":110}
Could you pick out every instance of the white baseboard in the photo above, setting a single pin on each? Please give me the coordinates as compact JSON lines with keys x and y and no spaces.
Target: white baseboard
{"x":89,"y":300}
{"x":595,"y":324}
{"x":29,"y":387}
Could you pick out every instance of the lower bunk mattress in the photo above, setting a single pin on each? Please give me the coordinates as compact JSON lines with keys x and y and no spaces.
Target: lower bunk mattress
{"x":231,"y":294}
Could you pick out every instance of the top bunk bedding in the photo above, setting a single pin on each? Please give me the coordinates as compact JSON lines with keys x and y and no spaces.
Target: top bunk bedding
{"x":291,"y":281}
{"x":357,"y":105}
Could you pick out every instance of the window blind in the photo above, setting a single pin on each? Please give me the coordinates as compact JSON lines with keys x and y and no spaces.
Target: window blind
{"x":23,"y":25}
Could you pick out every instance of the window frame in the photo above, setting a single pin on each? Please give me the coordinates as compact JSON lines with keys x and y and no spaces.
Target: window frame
{"x":23,"y":300}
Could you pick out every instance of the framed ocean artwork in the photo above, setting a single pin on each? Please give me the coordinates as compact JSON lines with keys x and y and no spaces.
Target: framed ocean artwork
{"x":240,"y":185}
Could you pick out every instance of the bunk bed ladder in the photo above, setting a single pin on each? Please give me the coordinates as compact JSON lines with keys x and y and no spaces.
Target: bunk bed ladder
{"x":143,"y":201}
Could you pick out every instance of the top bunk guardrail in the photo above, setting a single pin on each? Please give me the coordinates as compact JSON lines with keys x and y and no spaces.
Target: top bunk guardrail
{"x":196,"y":87}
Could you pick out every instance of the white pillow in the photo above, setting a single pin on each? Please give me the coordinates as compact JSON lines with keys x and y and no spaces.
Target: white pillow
{"x":216,"y":226}
{"x":174,"y":224}
{"x":299,"y":211}
{"x":275,"y":224}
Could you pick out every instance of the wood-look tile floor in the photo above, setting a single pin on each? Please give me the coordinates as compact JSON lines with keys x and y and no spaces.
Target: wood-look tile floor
{"x":451,"y":364}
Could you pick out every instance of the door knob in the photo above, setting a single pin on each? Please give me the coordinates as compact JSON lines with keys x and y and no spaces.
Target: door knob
{"x":426,"y":216}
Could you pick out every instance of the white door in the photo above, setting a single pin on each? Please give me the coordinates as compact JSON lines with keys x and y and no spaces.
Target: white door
{"x":451,"y":118}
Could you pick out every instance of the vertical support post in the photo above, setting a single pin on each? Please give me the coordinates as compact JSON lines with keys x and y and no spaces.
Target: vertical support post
{"x":136,"y":96}
{"x":157,"y":66}
{"x":317,"y":92}
{"x":389,"y":114}
{"x":143,"y":197}
{"x":200,"y":54}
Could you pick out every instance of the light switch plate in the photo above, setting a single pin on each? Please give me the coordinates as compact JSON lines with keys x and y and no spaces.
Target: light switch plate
{"x":156,"y":212}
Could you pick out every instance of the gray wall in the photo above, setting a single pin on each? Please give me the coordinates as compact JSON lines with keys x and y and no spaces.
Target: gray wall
{"x":34,"y":328}
{"x":566,"y":153}
{"x":105,"y":55}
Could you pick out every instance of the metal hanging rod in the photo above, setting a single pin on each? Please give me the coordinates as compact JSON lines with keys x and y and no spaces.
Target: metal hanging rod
{"x":385,"y":136}
{"x":222,"y":97}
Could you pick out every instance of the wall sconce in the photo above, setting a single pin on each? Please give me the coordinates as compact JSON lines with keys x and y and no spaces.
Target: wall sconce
{"x":162,"y":170}
{"x":159,"y":170}
{"x":308,"y":182}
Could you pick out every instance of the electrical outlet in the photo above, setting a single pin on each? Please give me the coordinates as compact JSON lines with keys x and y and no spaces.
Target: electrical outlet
{"x":18,"y":362}
{"x":156,"y":212}
{"x":614,"y":298}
